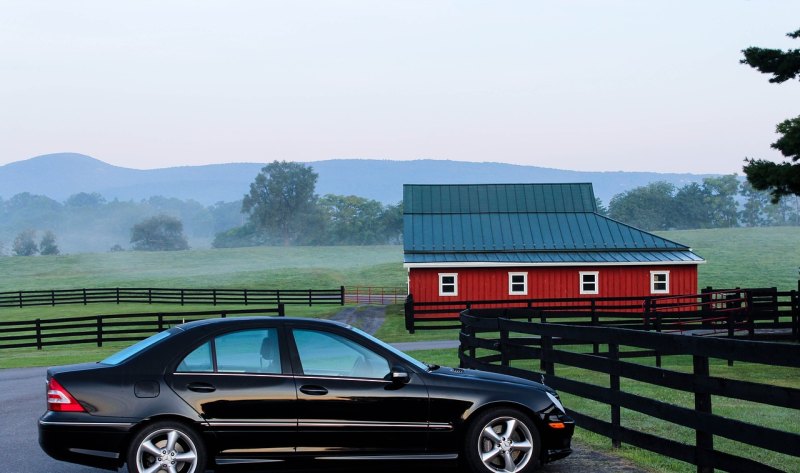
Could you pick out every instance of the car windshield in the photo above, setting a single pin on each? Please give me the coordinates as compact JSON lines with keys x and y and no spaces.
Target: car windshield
{"x":126,"y":353}
{"x":392,"y":349}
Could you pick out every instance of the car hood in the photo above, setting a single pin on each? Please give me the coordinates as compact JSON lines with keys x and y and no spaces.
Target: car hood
{"x":478,"y":375}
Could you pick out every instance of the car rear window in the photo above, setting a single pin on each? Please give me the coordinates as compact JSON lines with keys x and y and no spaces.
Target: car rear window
{"x":125,"y":354}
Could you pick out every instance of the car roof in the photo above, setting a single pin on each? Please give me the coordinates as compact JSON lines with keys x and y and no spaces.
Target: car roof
{"x":252,"y":320}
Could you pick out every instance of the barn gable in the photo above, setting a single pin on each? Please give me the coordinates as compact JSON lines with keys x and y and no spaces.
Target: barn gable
{"x":523,"y":225}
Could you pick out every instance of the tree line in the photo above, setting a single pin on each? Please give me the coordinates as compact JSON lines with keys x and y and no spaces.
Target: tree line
{"x":87,"y":222}
{"x":282,"y":208}
{"x":717,"y":202}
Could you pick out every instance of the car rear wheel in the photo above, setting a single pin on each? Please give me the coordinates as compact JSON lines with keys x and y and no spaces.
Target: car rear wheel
{"x":502,"y":441}
{"x":166,"y":447}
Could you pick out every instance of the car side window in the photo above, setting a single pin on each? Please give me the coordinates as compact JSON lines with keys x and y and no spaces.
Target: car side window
{"x":246,"y":351}
{"x":328,"y":354}
{"x":198,"y":361}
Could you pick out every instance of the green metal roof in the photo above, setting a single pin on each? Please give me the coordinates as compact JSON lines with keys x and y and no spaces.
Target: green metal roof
{"x":523,"y":223}
{"x":483,"y":198}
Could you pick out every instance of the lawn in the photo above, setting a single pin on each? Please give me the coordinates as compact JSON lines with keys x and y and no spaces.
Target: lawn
{"x":252,"y":268}
{"x":745,"y":257}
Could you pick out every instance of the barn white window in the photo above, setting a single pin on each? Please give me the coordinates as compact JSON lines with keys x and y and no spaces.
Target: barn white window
{"x":448,"y":284}
{"x":517,"y":284}
{"x":659,"y":282}
{"x":590,"y":282}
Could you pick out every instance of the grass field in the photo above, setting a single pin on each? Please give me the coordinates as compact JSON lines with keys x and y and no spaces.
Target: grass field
{"x":252,"y":268}
{"x":744,"y":257}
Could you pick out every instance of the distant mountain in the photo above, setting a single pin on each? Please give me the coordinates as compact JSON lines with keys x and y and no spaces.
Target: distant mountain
{"x":61,"y":175}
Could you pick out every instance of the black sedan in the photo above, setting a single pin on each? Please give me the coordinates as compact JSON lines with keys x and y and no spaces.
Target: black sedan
{"x":263,"y":390}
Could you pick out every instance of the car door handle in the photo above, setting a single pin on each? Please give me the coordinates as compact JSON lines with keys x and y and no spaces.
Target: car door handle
{"x":312,"y":390}
{"x":201,"y":387}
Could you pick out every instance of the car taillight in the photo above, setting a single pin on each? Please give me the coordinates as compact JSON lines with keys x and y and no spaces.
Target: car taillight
{"x":60,"y":400}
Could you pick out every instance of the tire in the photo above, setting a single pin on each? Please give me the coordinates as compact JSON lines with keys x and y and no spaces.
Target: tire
{"x":151,"y":445}
{"x":502,"y":440}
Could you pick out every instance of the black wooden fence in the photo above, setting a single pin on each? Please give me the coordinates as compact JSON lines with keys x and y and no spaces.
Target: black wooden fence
{"x":101,"y":329}
{"x":512,"y":343}
{"x":119,"y":295}
{"x":732,"y":311}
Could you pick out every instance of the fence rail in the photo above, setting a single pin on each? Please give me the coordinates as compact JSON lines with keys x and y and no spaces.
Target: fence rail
{"x":751,"y":312}
{"x":519,"y":340}
{"x":181,"y":296}
{"x":375,"y":295}
{"x":100,"y":329}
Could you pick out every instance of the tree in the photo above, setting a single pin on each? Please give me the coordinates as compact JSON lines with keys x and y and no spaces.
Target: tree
{"x":755,"y":204}
{"x":282,"y":204}
{"x":721,"y":192}
{"x":392,"y":223}
{"x":48,"y":245}
{"x":159,"y":233}
{"x":82,"y":199}
{"x":780,"y":179}
{"x":352,"y":220}
{"x":692,"y":205}
{"x":25,"y":244}
{"x":649,"y":207}
{"x":601,"y":209}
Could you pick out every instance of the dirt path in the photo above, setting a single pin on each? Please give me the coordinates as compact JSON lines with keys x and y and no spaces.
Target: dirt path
{"x":368,"y":318}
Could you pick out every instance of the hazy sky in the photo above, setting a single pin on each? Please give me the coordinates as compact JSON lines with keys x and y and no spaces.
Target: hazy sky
{"x":584,"y":85}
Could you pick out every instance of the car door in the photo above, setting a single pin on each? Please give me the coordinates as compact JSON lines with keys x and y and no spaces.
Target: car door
{"x":347,"y":401}
{"x":240,"y":382}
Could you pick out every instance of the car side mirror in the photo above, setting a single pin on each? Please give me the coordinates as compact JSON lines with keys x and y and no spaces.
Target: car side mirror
{"x":399,"y":375}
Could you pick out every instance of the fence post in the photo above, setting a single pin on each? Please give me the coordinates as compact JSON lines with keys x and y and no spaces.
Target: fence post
{"x":705,"y":305}
{"x":149,"y":295}
{"x":20,"y":299}
{"x":547,"y":346}
{"x":84,"y":296}
{"x":214,"y":296}
{"x":751,"y":323}
{"x":182,"y":296}
{"x":281,"y":310}
{"x":279,"y":296}
{"x":117,"y":296}
{"x":53,"y":298}
{"x":341,"y":295}
{"x":795,"y":298}
{"x":409,"y":313}
{"x":704,"y":441}
{"x":595,"y":323}
{"x":245,"y":297}
{"x":38,"y":334}
{"x":99,"y":331}
{"x":160,"y":322}
{"x":658,"y":329}
{"x":503,"y":343}
{"x":309,"y":298}
{"x":613,"y":355}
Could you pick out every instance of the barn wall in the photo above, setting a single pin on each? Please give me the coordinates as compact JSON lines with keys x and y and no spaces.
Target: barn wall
{"x":549,"y":282}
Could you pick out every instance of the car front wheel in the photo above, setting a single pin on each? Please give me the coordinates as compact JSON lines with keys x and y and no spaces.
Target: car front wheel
{"x":166,"y":447}
{"x":502,"y":441}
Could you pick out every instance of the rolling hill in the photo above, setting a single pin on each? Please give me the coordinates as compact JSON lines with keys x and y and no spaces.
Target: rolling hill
{"x":63,"y":174}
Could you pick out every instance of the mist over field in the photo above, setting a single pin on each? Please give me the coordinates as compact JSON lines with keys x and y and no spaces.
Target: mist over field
{"x":91,"y":206}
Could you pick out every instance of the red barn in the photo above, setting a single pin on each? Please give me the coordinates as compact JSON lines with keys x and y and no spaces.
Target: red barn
{"x":529,"y":241}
